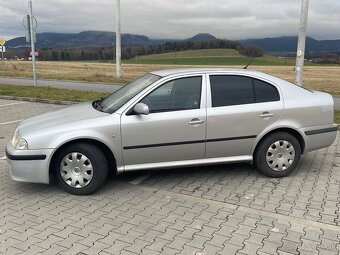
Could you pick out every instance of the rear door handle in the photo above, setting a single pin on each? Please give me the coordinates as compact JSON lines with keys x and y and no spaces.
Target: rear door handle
{"x":196,"y":121}
{"x":267,"y":115}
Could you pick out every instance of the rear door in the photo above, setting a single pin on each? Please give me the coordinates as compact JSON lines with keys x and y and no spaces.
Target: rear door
{"x":239,"y":109}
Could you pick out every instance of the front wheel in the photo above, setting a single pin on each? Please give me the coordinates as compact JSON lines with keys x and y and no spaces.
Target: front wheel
{"x":81,"y":168}
{"x":278,"y":155}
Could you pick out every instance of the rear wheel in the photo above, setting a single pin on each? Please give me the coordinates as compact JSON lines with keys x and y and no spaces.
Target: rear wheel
{"x":81,"y":168}
{"x":278,"y":154}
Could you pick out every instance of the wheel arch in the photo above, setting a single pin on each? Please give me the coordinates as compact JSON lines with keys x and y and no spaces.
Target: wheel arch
{"x":291,"y":131}
{"x":103,"y":147}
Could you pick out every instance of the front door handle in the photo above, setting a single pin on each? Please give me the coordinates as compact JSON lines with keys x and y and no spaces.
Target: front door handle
{"x":196,"y":121}
{"x":265,"y":115}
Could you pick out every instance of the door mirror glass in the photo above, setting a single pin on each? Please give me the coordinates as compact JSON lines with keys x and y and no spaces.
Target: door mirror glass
{"x":141,"y":109}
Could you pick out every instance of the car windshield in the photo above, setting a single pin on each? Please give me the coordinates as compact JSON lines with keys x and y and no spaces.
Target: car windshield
{"x":113,"y":102}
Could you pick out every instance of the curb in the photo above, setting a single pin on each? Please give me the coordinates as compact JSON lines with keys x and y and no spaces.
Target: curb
{"x":38,"y":100}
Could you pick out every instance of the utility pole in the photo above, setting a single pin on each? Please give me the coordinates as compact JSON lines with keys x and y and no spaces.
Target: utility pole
{"x":118,"y":42}
{"x":31,"y":31}
{"x":300,"y":54}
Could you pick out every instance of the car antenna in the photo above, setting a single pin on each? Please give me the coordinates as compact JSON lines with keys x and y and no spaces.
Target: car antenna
{"x":251,"y":61}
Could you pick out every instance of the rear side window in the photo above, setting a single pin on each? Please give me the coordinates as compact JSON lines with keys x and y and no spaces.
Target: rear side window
{"x":227,"y":90}
{"x":231,"y":90}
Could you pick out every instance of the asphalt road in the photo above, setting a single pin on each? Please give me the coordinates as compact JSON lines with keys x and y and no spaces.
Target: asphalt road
{"x":85,"y":86}
{"x":337,"y":103}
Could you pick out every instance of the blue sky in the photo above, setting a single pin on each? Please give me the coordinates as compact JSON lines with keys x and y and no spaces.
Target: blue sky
{"x":232,"y":19}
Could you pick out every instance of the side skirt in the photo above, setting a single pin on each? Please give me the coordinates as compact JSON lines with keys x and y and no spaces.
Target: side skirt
{"x":185,"y":163}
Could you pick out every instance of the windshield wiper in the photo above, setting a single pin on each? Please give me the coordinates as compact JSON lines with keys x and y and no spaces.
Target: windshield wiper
{"x":96,"y":105}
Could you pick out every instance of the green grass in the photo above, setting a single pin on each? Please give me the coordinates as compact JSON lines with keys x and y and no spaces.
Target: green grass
{"x":337,"y":117}
{"x":209,"y":57}
{"x":50,"y":93}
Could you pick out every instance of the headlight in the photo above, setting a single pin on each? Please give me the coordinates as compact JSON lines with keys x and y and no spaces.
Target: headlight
{"x":15,"y":138}
{"x":18,"y":142}
{"x":22,"y":144}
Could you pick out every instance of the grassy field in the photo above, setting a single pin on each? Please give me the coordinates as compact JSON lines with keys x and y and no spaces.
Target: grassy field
{"x":209,"y":57}
{"x":324,"y":78}
{"x":337,"y":117}
{"x":49,"y":93}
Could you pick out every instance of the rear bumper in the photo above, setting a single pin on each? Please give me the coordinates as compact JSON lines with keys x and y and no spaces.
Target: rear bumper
{"x":29,"y":165}
{"x":319,"y":137}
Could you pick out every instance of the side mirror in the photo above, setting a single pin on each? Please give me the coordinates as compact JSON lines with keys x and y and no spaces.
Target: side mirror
{"x":141,"y":109}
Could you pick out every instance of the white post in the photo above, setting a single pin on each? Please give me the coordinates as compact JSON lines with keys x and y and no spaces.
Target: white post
{"x":300,"y":54}
{"x":118,"y":42}
{"x":30,"y":13}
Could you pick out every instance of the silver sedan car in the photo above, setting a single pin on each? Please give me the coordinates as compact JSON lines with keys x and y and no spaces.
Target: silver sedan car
{"x":174,"y":118}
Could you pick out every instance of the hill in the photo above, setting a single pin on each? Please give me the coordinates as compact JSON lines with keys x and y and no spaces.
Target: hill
{"x":202,"y":37}
{"x":288,"y":44}
{"x":93,"y":39}
{"x":83,"y":39}
{"x":278,"y":45}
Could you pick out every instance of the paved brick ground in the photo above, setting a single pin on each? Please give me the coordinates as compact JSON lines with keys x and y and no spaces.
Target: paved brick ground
{"x":209,"y":210}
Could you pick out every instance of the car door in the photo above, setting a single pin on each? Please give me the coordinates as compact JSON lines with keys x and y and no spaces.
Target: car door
{"x":174,"y":130}
{"x":239,"y":109}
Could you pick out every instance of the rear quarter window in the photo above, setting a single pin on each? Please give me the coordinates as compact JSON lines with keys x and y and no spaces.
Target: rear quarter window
{"x":265,"y":92}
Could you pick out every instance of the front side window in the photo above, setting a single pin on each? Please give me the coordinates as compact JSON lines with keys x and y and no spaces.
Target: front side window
{"x":227,"y":90}
{"x":175,"y":95}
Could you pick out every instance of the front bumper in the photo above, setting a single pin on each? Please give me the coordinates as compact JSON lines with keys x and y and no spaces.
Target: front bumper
{"x":29,"y":165}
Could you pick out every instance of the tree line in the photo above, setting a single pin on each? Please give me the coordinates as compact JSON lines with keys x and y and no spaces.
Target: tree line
{"x":131,"y":51}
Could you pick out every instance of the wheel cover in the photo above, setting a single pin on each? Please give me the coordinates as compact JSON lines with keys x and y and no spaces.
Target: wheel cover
{"x":76,"y":170}
{"x":280,"y":155}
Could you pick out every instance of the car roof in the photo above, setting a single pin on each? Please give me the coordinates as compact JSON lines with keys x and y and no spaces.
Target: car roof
{"x":167,"y":72}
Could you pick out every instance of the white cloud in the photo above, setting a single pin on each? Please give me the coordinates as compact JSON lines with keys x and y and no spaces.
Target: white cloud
{"x":232,"y":19}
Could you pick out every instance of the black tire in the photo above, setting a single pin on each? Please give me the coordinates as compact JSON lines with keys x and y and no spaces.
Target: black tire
{"x":282,"y":164}
{"x":93,"y":159}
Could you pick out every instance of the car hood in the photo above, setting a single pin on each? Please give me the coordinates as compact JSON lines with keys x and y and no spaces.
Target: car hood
{"x":64,"y":116}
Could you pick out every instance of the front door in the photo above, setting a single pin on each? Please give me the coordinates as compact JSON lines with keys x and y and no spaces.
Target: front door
{"x":173,"y":131}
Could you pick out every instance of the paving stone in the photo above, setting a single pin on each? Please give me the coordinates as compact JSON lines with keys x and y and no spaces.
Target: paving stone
{"x":96,"y":248}
{"x":217,"y":240}
{"x":116,"y":247}
{"x":268,"y":247}
{"x":290,"y":246}
{"x":137,"y":246}
{"x":230,"y":249}
{"x":308,"y":245}
{"x":12,"y":250}
{"x":198,"y":241}
{"x":210,"y":249}
{"x":159,"y":244}
{"x":330,"y":245}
